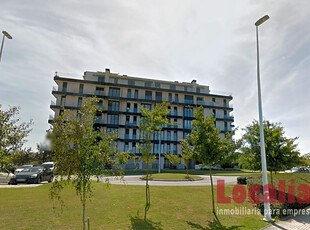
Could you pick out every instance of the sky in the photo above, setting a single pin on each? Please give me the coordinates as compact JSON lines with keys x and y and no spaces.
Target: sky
{"x":213,"y":42}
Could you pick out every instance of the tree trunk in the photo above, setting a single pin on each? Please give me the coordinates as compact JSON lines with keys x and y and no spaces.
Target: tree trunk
{"x":147,"y":192}
{"x":213,"y":207}
{"x":84,"y":208}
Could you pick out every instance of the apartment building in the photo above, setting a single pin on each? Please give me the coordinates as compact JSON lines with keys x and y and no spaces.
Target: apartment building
{"x":121,"y":98}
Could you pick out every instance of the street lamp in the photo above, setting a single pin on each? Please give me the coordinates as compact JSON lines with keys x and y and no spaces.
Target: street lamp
{"x":262,"y":139}
{"x":5,"y":34}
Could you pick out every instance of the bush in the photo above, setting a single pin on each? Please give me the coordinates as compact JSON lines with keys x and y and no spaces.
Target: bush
{"x":241,"y":180}
{"x":277,"y":209}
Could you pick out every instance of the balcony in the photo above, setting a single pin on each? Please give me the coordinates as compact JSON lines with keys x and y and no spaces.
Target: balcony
{"x":134,"y":110}
{"x":229,"y":117}
{"x":200,"y":103}
{"x":227,"y":129}
{"x":98,"y":120}
{"x":186,"y":101}
{"x":99,"y":93}
{"x":128,"y":123}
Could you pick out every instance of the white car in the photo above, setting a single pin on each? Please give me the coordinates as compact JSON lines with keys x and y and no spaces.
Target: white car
{"x":7,"y":177}
{"x":49,"y":165}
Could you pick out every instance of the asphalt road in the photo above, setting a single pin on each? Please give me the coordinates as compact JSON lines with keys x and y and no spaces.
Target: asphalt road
{"x":135,"y":180}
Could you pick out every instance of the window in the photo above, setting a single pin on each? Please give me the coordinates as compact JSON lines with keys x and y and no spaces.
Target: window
{"x":188,"y":112}
{"x":134,"y":149}
{"x":168,"y":135}
{"x":175,"y":111}
{"x":186,"y":134}
{"x":197,"y":90}
{"x":100,"y":79}
{"x":63,"y":100}
{"x":99,"y":91}
{"x":126,"y":148}
{"x":187,"y":124}
{"x":129,"y":93}
{"x":99,"y":103}
{"x":185,"y":88}
{"x":200,"y":101}
{"x":128,"y":107}
{"x":112,"y":119}
{"x":136,"y":94}
{"x":159,"y":96}
{"x":127,"y":134}
{"x":175,"y":136}
{"x":115,"y":80}
{"x":170,"y":97}
{"x":214,"y":112}
{"x":135,"y":120}
{"x":148,"y":106}
{"x":114,"y":92}
{"x":131,"y":82}
{"x":225,"y":103}
{"x":113,"y":106}
{"x":175,"y":122}
{"x":188,"y":99}
{"x":80,"y":101}
{"x":112,"y":130}
{"x":64,"y":86}
{"x":172,"y":87}
{"x":134,"y":134}
{"x":148,"y":95}
{"x":135,"y":108}
{"x":213,"y":99}
{"x":148,"y":84}
{"x":168,"y":148}
{"x":157,"y":85}
{"x":174,"y":149}
{"x":176,"y":98}
{"x":81,"y":89}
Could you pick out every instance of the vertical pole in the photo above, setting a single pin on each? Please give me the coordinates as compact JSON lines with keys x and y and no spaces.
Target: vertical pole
{"x":262,"y":141}
{"x":2,"y":46}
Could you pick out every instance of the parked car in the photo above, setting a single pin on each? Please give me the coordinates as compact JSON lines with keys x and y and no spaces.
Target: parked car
{"x":21,"y":168}
{"x":49,"y":165}
{"x":7,"y":177}
{"x":34,"y":175}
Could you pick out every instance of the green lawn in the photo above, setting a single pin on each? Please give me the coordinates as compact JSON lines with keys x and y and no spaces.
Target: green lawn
{"x":172,"y":176}
{"x":120,"y":207}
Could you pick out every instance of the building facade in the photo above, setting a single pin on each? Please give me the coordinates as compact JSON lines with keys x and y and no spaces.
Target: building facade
{"x":121,"y":97}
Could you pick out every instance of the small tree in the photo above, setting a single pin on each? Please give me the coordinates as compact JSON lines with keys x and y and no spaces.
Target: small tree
{"x":187,"y":153}
{"x":281,"y":152}
{"x":174,"y":159}
{"x":81,"y":152}
{"x":12,"y":135}
{"x":151,"y":121}
{"x":208,"y":146}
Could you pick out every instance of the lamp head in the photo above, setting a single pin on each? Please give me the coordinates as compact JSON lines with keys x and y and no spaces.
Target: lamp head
{"x":261,"y":20}
{"x":7,"y":35}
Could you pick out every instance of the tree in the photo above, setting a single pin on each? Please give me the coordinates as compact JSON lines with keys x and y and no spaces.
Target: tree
{"x":173,"y":159}
{"x":187,"y":153}
{"x":208,"y":146}
{"x":281,"y":152}
{"x":150,"y":122}
{"x":44,"y":153}
{"x":12,"y":135}
{"x":81,"y":151}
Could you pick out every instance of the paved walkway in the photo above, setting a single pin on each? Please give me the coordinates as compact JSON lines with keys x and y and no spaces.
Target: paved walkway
{"x":135,"y":180}
{"x":298,"y":222}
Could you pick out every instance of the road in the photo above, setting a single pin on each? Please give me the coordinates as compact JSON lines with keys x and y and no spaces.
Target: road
{"x":135,"y":180}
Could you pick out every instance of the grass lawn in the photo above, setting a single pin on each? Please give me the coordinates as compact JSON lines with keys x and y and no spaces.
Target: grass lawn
{"x":120,"y":207}
{"x":173,"y":176}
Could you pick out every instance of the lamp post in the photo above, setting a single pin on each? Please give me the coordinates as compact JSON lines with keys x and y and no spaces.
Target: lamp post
{"x":262,"y":139}
{"x":5,"y":34}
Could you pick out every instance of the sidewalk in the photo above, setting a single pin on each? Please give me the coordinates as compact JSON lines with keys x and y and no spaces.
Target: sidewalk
{"x":298,"y":222}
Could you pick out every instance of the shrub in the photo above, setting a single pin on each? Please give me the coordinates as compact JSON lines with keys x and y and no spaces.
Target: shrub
{"x":241,"y":180}
{"x":277,"y":209}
